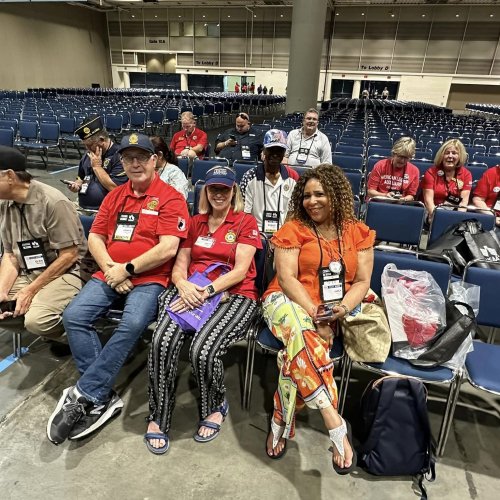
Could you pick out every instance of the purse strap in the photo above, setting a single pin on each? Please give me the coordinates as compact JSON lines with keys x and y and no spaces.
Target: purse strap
{"x":216,"y":265}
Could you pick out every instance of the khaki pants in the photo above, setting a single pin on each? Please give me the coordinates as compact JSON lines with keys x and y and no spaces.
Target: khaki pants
{"x":44,"y":317}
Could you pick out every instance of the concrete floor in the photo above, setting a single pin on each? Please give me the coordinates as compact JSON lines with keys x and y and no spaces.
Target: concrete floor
{"x":114,"y":462}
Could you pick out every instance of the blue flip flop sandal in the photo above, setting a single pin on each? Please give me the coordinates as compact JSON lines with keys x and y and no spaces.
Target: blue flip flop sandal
{"x":223,"y":409}
{"x":157,"y":435}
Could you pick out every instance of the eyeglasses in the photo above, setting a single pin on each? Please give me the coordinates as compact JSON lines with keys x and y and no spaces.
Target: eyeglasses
{"x":243,"y":115}
{"x":140,"y":157}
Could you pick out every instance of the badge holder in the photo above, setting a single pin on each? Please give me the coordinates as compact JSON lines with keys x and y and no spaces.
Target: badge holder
{"x":454,"y":200}
{"x":332,"y":289}
{"x":33,"y":254}
{"x":126,"y":222}
{"x":270,"y":222}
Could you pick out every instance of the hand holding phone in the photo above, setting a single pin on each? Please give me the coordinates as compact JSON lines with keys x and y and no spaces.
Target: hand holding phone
{"x":324,"y":313}
{"x":65,"y":181}
{"x":7,"y":306}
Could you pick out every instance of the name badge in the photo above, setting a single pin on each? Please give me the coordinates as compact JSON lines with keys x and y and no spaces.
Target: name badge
{"x":126,"y":222}
{"x":454,"y":200}
{"x":497,"y":203}
{"x":205,"y":242}
{"x":85,"y":185}
{"x":302,"y":156}
{"x":33,"y":254}
{"x":331,"y":282}
{"x":245,"y":152}
{"x":271,"y":221}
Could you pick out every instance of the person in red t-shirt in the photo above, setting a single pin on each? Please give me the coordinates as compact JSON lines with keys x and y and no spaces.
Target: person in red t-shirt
{"x":487,"y":192}
{"x":396,"y":177}
{"x":190,"y":142}
{"x":133,"y":239}
{"x":447,"y":181}
{"x":221,"y":233}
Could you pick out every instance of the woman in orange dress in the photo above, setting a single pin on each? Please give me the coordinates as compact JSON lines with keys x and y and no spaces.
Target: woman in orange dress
{"x":323,"y":254}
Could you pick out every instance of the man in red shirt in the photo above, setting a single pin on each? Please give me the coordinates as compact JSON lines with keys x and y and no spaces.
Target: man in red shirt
{"x":134,"y":240}
{"x":487,"y":192}
{"x":396,"y":177}
{"x":190,"y":142}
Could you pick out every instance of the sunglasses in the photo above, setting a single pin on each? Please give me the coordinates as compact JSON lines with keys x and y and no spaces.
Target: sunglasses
{"x":243,"y":115}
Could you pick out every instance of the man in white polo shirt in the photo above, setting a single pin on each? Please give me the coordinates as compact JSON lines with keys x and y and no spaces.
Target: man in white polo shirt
{"x":308,"y":146}
{"x":267,"y":188}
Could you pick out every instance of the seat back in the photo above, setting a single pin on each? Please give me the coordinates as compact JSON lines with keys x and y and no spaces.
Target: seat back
{"x":196,"y":199}
{"x":7,"y":137}
{"x":396,"y":222}
{"x":28,"y":130}
{"x":406,"y":259}
{"x":86,"y":221}
{"x":240,"y":167}
{"x":347,"y":162}
{"x":443,"y":218}
{"x":49,"y":132}
{"x":200,"y":168}
{"x":489,"y":281}
{"x":355,"y":178}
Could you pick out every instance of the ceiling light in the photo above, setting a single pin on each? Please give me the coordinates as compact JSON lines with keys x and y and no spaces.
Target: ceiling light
{"x":203,"y":16}
{"x":255,"y":15}
{"x":491,"y":15}
{"x":336,"y":13}
{"x":156,"y":17}
{"x":228,"y":16}
{"x":133,"y":15}
{"x":281,"y":15}
{"x":423,"y":15}
{"x":362,"y":13}
{"x":457,"y":15}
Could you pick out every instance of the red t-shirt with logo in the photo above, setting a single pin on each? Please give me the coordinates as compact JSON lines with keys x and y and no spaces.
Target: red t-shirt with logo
{"x":385,"y":178}
{"x":434,"y":179}
{"x":237,"y":228}
{"x":488,"y":187}
{"x":180,"y":141}
{"x":162,"y":211}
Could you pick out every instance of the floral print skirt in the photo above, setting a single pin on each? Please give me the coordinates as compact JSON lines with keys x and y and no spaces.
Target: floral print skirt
{"x":306,"y":370}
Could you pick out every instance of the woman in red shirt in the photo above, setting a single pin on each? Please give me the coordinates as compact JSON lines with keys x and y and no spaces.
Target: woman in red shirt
{"x":447,"y":181}
{"x":222,"y":232}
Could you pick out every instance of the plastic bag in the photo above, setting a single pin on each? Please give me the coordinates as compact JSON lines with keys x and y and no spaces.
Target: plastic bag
{"x":415,"y":308}
{"x":468,"y":293}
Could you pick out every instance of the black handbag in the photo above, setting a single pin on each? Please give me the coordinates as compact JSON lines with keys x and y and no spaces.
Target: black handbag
{"x":448,"y":339}
{"x":466,"y":241}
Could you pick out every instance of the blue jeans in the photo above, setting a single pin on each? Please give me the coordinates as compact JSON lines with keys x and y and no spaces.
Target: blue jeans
{"x":98,"y":365}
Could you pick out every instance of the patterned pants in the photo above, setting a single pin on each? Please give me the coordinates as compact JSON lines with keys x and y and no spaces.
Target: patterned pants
{"x":227,"y":325}
{"x":306,"y":370}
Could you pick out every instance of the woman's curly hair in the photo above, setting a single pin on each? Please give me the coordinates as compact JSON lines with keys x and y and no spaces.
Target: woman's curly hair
{"x":338,"y":190}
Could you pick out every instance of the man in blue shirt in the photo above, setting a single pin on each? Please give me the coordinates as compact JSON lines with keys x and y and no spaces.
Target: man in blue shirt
{"x":100,"y":170}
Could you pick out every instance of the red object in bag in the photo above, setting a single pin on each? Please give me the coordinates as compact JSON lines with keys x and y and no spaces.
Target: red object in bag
{"x":417,"y":332}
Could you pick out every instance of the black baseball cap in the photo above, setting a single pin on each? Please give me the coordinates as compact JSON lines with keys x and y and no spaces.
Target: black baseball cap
{"x":12,"y":159}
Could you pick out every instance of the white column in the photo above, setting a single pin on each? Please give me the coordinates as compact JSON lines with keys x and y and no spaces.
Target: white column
{"x":184,"y":81}
{"x":356,"y":88}
{"x":306,"y":46}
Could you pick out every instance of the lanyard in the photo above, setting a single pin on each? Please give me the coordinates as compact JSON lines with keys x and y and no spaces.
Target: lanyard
{"x":23,"y":218}
{"x":300,"y":144}
{"x":321,"y":251}
{"x":265,"y":207}
{"x":448,"y":186}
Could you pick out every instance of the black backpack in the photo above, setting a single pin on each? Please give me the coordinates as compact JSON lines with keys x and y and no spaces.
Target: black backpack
{"x":396,"y":438}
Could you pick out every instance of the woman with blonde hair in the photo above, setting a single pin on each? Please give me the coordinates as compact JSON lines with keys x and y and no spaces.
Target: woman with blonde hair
{"x":447,"y":181}
{"x":324,"y":261}
{"x":220,"y":234}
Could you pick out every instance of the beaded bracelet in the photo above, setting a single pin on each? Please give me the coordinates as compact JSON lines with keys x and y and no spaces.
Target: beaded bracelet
{"x":345,"y":308}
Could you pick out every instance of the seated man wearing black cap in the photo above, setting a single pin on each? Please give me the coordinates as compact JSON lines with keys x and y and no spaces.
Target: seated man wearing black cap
{"x":42,"y":266}
{"x":100,"y":170}
{"x":134,"y":240}
{"x":243,"y":142}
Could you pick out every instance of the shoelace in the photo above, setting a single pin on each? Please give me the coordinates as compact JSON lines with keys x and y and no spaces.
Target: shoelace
{"x":68,"y":407}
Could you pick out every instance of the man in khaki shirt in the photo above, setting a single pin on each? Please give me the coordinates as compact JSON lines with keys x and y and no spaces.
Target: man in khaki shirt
{"x":44,"y":246}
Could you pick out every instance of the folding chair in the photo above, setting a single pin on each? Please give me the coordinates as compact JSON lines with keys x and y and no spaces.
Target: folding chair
{"x":441,"y":271}
{"x":240,"y":167}
{"x":395,"y":221}
{"x":443,"y":218}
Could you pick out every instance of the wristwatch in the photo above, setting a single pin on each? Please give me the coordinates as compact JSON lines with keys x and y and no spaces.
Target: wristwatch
{"x":130,"y":268}
{"x":210,"y":290}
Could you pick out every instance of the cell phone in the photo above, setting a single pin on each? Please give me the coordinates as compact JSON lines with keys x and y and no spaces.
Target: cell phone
{"x":325,"y":312}
{"x":232,"y":137}
{"x":8,"y":306}
{"x":68,"y":183}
